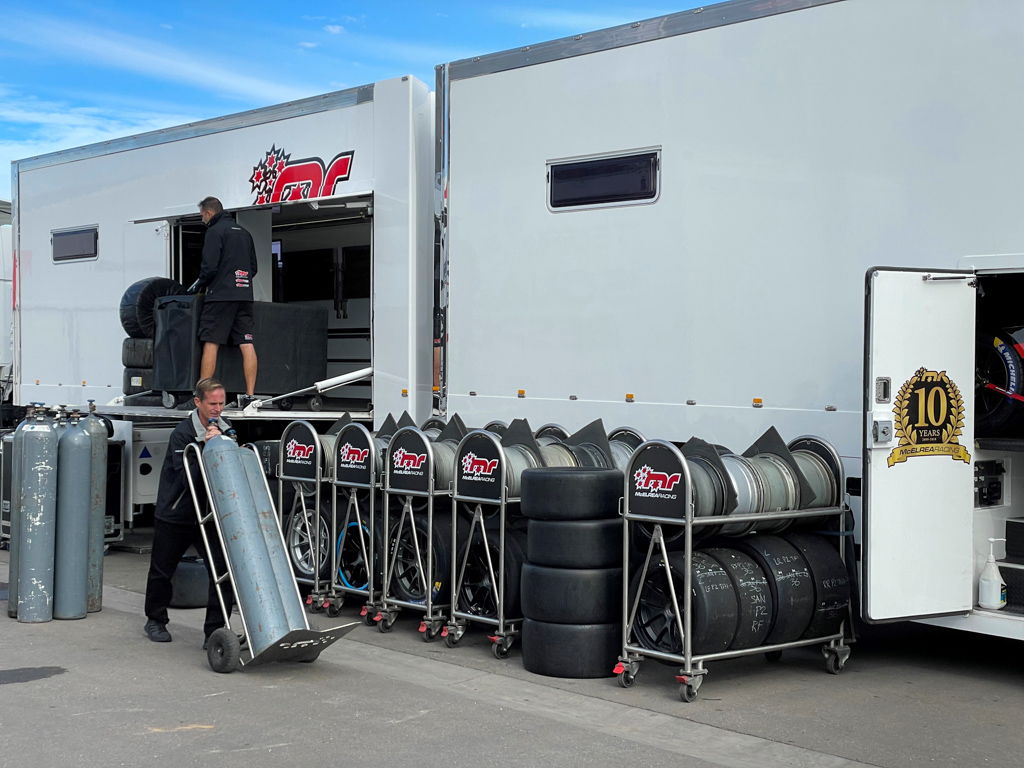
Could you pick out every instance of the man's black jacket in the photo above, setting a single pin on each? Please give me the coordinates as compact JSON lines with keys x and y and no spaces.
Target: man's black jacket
{"x":173,"y":499}
{"x":229,"y":261}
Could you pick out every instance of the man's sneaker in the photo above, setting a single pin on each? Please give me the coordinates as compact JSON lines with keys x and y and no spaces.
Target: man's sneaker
{"x":157,"y":632}
{"x":244,"y":400}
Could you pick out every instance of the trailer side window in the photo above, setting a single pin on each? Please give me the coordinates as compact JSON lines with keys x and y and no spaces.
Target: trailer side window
{"x":609,"y":180}
{"x":75,"y":244}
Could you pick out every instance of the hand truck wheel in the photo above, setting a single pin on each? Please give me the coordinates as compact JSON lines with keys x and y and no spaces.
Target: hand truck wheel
{"x":223,"y":650}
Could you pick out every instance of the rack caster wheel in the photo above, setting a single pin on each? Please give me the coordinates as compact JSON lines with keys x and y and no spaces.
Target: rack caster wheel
{"x":314,"y":604}
{"x":502,"y":649}
{"x":430,"y":632}
{"x":688,"y":692}
{"x":835,"y":659}
{"x":368,"y":618}
{"x":334,"y":609}
{"x":626,"y":679}
{"x":385,"y":625}
{"x":688,"y":687}
{"x":452,"y":637}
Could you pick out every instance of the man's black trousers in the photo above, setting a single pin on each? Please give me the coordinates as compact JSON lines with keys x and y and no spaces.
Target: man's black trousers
{"x":170,"y":542}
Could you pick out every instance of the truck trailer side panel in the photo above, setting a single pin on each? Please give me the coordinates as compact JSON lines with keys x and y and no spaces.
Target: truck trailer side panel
{"x":131,"y":192}
{"x":795,"y":151}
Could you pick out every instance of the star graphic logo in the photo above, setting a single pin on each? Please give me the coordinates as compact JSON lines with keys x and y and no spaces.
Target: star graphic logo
{"x":265,"y":173}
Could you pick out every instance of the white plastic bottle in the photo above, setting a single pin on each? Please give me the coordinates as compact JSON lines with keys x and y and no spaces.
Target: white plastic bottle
{"x":991,"y":587}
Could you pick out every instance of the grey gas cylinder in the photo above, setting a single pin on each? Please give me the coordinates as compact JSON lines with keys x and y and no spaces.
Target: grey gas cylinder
{"x":17,"y":451}
{"x":270,"y":528}
{"x":254,"y":579}
{"x":97,"y":507}
{"x":71,"y":563}
{"x":38,"y":521}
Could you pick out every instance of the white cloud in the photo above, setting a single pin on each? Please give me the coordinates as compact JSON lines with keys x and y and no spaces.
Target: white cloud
{"x":308,"y":45}
{"x":166,"y":26}
{"x":164,"y":62}
{"x":50,"y":126}
{"x":334,"y":29}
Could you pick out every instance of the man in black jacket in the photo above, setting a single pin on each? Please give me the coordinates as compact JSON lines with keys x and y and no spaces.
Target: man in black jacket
{"x":175,"y":526}
{"x":227,"y":272}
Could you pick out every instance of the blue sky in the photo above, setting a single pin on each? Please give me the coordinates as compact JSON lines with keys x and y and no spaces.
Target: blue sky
{"x":74,"y":73}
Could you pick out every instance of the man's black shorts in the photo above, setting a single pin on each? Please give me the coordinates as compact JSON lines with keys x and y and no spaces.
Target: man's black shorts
{"x":226,"y":322}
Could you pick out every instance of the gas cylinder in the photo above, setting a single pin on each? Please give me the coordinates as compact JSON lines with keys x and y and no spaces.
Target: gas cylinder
{"x":38,"y":520}
{"x":270,"y":529}
{"x":254,"y":579}
{"x":17,"y":450}
{"x":71,"y":564}
{"x":99,"y":434}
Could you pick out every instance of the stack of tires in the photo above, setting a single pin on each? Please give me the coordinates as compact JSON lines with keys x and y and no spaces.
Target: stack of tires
{"x":137,"y":319}
{"x":746,"y":592}
{"x":571,"y":588}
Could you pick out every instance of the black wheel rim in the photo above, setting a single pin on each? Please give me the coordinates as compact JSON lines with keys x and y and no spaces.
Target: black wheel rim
{"x":478,"y":594}
{"x":407,"y":574}
{"x":656,"y":627}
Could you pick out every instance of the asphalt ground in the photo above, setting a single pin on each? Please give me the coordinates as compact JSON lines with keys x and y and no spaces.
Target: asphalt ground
{"x":97,"y":692}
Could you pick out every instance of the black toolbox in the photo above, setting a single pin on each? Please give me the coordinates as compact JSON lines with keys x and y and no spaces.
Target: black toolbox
{"x":290,"y":342}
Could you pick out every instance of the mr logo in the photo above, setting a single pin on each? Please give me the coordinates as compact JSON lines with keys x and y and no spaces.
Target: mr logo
{"x":476,"y":466}
{"x":649,"y":480}
{"x":350,"y":454}
{"x":277,"y":178}
{"x":405,"y":460}
{"x":296,"y":450}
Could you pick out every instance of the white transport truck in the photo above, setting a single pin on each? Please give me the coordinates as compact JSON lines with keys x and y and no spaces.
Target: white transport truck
{"x":750,"y":214}
{"x":320,"y":182}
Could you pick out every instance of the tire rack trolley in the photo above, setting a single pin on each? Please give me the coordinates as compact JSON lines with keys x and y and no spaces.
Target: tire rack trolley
{"x":300,"y":461}
{"x":676,"y":509}
{"x":355,"y":469}
{"x":409,"y":474}
{"x":261,"y":562}
{"x":481,"y":481}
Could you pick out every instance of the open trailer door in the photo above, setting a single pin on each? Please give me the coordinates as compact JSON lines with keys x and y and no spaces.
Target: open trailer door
{"x":917,"y":557}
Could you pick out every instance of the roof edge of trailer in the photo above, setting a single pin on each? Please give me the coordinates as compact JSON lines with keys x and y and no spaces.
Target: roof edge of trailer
{"x":307,"y":106}
{"x":681,"y":23}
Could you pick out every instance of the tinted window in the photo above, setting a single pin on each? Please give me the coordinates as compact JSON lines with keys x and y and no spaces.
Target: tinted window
{"x":606,"y":180}
{"x":75,"y":244}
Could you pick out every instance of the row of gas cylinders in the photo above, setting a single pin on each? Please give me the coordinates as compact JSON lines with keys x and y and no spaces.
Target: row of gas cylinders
{"x":770,"y":476}
{"x":58,"y":506}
